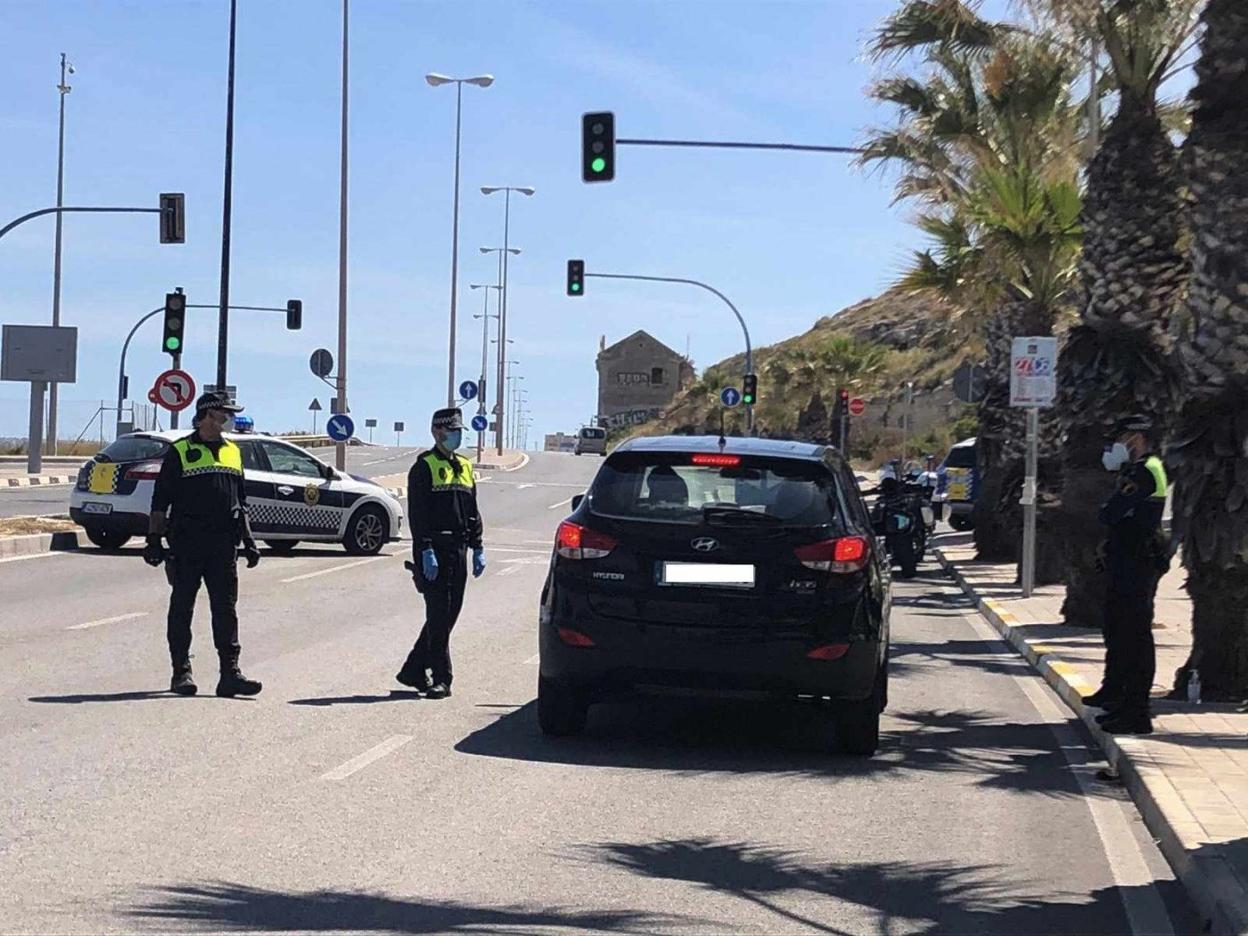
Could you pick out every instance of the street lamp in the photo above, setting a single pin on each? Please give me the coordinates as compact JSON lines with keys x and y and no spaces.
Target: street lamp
{"x":502,"y":322}
{"x":481,"y":81}
{"x":64,"y":89}
{"x":485,"y":317}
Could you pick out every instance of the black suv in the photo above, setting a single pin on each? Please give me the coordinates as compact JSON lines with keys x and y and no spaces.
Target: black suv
{"x":731,"y":565}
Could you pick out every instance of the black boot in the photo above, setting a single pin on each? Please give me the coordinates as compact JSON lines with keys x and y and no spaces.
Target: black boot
{"x":1102,"y":699}
{"x":234,"y":683}
{"x":182,"y":682}
{"x":414,"y":679}
{"x":1128,"y":723}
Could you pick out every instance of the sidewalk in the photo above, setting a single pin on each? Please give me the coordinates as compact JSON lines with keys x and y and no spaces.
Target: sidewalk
{"x":15,"y":476}
{"x":1190,"y":777}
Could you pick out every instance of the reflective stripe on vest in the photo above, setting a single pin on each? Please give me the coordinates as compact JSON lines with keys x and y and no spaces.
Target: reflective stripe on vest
{"x":1158,"y":471}
{"x":443,"y":473}
{"x":197,"y":458}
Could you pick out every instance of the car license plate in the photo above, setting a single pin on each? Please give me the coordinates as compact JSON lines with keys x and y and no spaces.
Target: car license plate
{"x":722,"y":575}
{"x":94,"y":508}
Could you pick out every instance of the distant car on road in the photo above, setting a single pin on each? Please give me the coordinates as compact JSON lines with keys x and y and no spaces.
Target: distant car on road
{"x":747,"y":566}
{"x":591,"y":440}
{"x":957,"y":480}
{"x":291,"y":494}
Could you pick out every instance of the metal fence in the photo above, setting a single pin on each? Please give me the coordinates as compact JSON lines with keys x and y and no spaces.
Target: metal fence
{"x":91,"y":420}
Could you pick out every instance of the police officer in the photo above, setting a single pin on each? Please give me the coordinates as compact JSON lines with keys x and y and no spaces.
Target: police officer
{"x":1135,"y":556}
{"x":442,"y":502}
{"x":200,"y":505}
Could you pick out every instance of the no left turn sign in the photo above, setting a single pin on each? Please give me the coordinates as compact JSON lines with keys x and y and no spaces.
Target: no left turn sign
{"x":174,"y":390}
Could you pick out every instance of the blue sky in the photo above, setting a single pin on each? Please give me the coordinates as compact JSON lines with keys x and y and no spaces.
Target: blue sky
{"x":788,"y":237}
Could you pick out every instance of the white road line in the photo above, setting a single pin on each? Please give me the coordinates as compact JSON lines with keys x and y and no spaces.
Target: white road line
{"x":566,"y":500}
{"x":109,"y":620}
{"x":556,"y":484}
{"x":508,"y":570}
{"x":392,"y":743}
{"x":516,"y":549}
{"x":521,"y":487}
{"x":1145,"y":910}
{"x":349,"y":565}
{"x":42,"y":555}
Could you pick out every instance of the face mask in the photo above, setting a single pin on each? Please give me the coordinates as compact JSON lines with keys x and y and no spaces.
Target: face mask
{"x":453,"y":440}
{"x":1114,"y":457}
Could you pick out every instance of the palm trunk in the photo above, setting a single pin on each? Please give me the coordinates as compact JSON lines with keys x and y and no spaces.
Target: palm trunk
{"x":1209,"y":449}
{"x":1114,"y":363}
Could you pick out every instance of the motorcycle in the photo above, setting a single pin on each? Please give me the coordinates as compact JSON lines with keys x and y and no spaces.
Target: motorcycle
{"x":903,"y":516}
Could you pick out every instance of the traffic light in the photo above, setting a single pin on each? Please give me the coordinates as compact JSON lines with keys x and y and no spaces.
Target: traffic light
{"x":576,"y":277}
{"x":175,"y":323}
{"x":598,"y":147}
{"x":749,"y":389}
{"x":842,"y":402}
{"x":294,"y":314}
{"x":172,"y":218}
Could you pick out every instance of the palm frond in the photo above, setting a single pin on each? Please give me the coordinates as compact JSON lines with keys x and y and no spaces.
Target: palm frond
{"x":948,"y":24}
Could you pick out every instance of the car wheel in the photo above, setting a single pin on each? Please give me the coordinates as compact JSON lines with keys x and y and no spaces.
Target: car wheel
{"x":106,"y":539}
{"x":366,"y":532}
{"x":857,"y":724}
{"x":960,"y":522}
{"x":282,"y":547}
{"x":561,"y":711}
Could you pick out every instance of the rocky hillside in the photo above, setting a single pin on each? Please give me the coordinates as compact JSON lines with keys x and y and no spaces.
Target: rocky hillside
{"x":874,"y":348}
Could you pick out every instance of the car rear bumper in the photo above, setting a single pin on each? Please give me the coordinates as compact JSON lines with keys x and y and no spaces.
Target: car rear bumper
{"x":131,"y":524}
{"x":628,"y":656}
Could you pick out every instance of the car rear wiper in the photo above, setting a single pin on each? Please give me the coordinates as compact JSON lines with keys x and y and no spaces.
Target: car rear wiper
{"x":730,"y":512}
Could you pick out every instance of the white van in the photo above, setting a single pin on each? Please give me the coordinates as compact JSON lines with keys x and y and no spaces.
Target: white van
{"x":591,"y":440}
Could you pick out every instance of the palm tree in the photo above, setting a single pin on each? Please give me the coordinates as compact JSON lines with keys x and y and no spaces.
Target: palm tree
{"x":1209,"y":444}
{"x":1114,"y":362}
{"x":986,"y":143}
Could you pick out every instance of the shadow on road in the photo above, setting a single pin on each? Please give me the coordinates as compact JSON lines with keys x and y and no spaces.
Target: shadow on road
{"x":395,"y":695}
{"x":243,"y":908}
{"x":78,"y":698}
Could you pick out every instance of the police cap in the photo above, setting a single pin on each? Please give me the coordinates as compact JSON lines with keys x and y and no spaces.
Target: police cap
{"x":449,"y":418}
{"x":1137,"y":422}
{"x":216,"y":400}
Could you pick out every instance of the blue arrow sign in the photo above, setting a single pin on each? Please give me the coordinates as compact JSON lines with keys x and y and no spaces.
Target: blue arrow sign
{"x":480,"y":423}
{"x":730,"y":396}
{"x":468,"y":389}
{"x":340,"y":428}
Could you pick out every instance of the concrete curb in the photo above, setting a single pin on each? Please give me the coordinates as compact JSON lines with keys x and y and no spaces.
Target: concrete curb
{"x":1215,"y":889}
{"x":507,"y":464}
{"x":34,"y":543}
{"x":38,"y":481}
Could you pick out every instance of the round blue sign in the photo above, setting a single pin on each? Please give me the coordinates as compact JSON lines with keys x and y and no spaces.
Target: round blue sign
{"x":468,"y":389}
{"x":340,"y":428}
{"x":480,"y":423}
{"x":730,"y":396}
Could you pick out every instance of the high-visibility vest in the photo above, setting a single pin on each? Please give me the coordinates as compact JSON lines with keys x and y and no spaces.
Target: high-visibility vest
{"x":198,"y":459}
{"x":1158,"y":471}
{"x":444,"y":473}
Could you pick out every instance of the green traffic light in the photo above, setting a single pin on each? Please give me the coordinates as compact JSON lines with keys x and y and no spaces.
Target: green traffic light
{"x":172,"y":343}
{"x":598,"y":165}
{"x":576,"y":287}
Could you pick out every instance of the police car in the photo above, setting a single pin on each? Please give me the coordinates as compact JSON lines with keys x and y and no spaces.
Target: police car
{"x":291,"y":495}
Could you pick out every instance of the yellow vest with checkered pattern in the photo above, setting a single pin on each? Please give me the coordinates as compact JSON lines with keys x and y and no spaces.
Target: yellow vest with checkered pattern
{"x":444,"y":475}
{"x":228,"y":460}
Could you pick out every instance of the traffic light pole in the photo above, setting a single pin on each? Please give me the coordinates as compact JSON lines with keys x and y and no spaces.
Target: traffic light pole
{"x":749,"y":351}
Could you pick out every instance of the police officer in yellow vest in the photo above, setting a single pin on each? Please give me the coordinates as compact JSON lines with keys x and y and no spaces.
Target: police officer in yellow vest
{"x":200,"y":505}
{"x":1136,"y":555}
{"x":446,"y":524}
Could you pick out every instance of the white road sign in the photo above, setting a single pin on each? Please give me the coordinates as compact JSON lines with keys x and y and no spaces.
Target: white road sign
{"x":1033,"y":372}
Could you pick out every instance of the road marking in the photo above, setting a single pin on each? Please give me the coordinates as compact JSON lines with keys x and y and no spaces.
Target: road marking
{"x":557,"y":484}
{"x":43,"y":555}
{"x":349,"y":565}
{"x":391,"y":744}
{"x":540,"y":560}
{"x":508,"y":570}
{"x":109,"y":620}
{"x":516,"y":549}
{"x":521,"y":487}
{"x":566,"y":500}
{"x":1145,"y":910}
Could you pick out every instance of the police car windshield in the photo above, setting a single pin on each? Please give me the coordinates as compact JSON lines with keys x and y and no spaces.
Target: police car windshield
{"x":963,"y":456}
{"x":134,"y":448}
{"x":676,"y":488}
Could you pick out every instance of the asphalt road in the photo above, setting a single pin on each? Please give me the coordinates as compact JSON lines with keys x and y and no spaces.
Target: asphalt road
{"x":335,"y":802}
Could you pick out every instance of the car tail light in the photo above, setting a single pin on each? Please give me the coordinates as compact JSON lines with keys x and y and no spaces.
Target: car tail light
{"x":717,"y":461}
{"x":843,"y":555}
{"x":577,"y":542}
{"x":828,"y":652}
{"x":574,"y":638}
{"x":143,"y":471}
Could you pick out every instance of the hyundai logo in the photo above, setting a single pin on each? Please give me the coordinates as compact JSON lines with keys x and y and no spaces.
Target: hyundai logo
{"x":705,"y":544}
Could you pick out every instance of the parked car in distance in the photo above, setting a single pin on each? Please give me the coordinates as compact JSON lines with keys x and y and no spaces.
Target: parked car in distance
{"x":591,"y":440}
{"x":957,"y":483}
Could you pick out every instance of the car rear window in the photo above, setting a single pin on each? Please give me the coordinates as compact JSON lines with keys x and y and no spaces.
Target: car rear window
{"x":135,"y":448}
{"x":962,"y":456}
{"x":593,"y":433}
{"x":682,"y":488}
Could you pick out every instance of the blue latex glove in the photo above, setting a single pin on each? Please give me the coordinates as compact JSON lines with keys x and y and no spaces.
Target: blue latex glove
{"x":478,"y":562}
{"x":429,"y":565}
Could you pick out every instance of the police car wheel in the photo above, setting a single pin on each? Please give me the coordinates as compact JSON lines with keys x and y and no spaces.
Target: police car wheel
{"x":106,"y":539}
{"x":284,"y":547}
{"x":366,"y":532}
{"x":960,"y":522}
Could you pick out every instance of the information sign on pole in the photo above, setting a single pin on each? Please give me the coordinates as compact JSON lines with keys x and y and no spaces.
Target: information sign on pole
{"x":1033,"y":384}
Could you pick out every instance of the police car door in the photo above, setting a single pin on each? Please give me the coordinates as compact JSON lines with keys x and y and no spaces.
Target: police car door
{"x":301,"y":505}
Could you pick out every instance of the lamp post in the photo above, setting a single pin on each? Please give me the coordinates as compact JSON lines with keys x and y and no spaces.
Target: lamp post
{"x":340,"y":450}
{"x":64,"y":89}
{"x":502,"y":321}
{"x":481,"y":81}
{"x":485,"y":317}
{"x":502,"y":302}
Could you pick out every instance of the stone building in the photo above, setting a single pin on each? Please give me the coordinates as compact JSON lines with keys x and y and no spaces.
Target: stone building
{"x":637,"y":378}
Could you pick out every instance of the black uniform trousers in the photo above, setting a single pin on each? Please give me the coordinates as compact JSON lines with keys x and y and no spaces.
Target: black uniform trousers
{"x":1130,"y":653}
{"x":212,"y":559}
{"x":444,"y":598}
